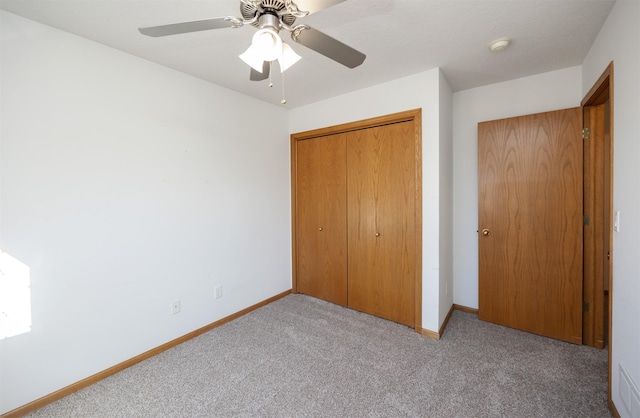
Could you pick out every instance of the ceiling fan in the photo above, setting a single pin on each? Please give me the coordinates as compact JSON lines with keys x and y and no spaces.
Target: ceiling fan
{"x":270,"y":16}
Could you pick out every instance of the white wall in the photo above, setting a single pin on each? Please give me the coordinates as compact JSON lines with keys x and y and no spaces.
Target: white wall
{"x":126,"y":185}
{"x":416,"y":91}
{"x":619,"y":41}
{"x":446,"y":198}
{"x":543,"y":92}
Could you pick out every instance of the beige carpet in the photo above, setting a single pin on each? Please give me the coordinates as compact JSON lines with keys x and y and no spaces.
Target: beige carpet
{"x":302,"y":357}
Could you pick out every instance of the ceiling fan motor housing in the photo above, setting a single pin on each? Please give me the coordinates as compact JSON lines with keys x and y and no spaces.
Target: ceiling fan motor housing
{"x":269,"y":7}
{"x":268,"y":20}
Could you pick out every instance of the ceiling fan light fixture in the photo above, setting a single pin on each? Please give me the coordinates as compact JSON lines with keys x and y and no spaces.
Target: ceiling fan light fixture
{"x":253,"y":58}
{"x":268,"y":43}
{"x":288,"y":58}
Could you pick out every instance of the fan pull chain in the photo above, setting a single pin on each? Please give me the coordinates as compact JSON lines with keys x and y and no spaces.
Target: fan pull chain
{"x":283,"y":101}
{"x":270,"y":72}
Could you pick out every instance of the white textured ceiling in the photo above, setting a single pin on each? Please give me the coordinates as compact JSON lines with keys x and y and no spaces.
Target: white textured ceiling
{"x":399,"y":37}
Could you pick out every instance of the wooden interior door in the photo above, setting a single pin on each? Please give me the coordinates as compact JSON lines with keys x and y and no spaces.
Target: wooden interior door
{"x":597,"y":223}
{"x":530,"y":218}
{"x":381,"y":220}
{"x":322,"y":216}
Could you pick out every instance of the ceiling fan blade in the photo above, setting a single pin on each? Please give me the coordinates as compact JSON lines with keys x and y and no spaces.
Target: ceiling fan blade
{"x":185,"y":27}
{"x":259,"y":76}
{"x":329,"y":47}
{"x":313,"y":6}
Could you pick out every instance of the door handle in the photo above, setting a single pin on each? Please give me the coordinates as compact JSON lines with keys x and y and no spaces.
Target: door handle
{"x":486,"y":232}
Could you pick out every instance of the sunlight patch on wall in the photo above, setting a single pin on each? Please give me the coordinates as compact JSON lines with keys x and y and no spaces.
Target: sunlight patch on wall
{"x":15,"y":297}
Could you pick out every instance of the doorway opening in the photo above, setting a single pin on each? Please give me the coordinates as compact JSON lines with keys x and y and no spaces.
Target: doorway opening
{"x":598,"y":202}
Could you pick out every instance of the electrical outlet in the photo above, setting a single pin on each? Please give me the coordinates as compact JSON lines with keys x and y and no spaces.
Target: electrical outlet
{"x":217,"y":291}
{"x":175,"y":307}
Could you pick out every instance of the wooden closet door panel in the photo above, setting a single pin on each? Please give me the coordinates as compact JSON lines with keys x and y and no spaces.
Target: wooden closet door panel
{"x":381,"y":221}
{"x":321,"y":209}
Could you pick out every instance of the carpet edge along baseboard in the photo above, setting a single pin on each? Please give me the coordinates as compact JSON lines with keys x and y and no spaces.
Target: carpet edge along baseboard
{"x":74,"y":387}
{"x":438,"y":335}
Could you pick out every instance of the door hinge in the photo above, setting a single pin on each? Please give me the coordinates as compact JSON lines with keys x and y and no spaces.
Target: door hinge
{"x":586,"y":133}
{"x":585,"y":220}
{"x":585,"y":306}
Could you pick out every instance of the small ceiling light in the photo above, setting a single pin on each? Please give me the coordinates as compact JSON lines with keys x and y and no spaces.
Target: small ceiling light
{"x":499,"y":44}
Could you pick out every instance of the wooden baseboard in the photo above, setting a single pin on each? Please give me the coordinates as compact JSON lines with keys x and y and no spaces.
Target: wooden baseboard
{"x":613,"y":409}
{"x":428,"y":333}
{"x":465,"y":309}
{"x":438,"y":335}
{"x":433,"y":334}
{"x":74,"y":387}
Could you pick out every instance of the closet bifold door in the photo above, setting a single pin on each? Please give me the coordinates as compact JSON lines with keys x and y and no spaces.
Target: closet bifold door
{"x":322,"y":217}
{"x":381,"y":204}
